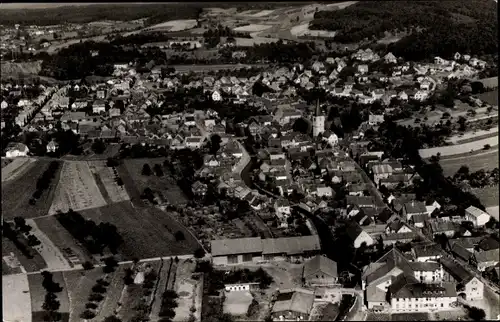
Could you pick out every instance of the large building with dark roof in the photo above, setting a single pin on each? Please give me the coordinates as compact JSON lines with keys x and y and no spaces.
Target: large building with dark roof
{"x":255,"y":249}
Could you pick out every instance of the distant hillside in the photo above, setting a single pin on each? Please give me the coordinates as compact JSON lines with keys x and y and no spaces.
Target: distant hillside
{"x":449,"y":26}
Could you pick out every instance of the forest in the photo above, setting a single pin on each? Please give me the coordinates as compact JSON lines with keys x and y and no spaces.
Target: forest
{"x":434,"y":28}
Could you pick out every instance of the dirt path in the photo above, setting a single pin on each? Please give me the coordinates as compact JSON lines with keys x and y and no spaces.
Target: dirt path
{"x":50,"y":253}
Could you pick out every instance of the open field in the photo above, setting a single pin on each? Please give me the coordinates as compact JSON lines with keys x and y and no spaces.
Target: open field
{"x":493,"y":211}
{"x":77,"y":189}
{"x":114,"y":293}
{"x":147,"y":232}
{"x":175,"y":25}
{"x":16,"y":302}
{"x":37,"y":294}
{"x":34,"y":264}
{"x":79,"y":287}
{"x":62,"y":239}
{"x":165,"y":185}
{"x":105,"y":174}
{"x":490,"y":97}
{"x":51,"y":254}
{"x":487,"y":195}
{"x":472,"y":136}
{"x":17,"y":193}
{"x":206,"y":68}
{"x":487,"y":161}
{"x":165,"y":277}
{"x":16,"y":168}
{"x":252,"y":28}
{"x":459,"y":148}
{"x":303,"y":30}
{"x":189,"y":291}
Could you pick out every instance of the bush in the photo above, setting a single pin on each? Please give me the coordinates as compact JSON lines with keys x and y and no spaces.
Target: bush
{"x":91,"y":306}
{"x":102,"y":282}
{"x":476,"y":314}
{"x":179,"y":236}
{"x":199,"y":253}
{"x":98,"y":289}
{"x":87,"y":265}
{"x":486,"y":147}
{"x":87,"y":315}
{"x":94,"y":297}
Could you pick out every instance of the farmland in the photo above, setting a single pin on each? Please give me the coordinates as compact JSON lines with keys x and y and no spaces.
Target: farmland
{"x":29,"y":264}
{"x":490,"y":97}
{"x":105,"y":175}
{"x":252,"y":28}
{"x":17,"y":305}
{"x":190,"y":291}
{"x":37,"y":294}
{"x":77,"y":189}
{"x":164,"y":185}
{"x":147,"y":232}
{"x":487,"y":160}
{"x":174,"y":25}
{"x":17,"y":193}
{"x":459,"y":148}
{"x":487,"y":195}
{"x":80,"y":283}
{"x":16,"y":168}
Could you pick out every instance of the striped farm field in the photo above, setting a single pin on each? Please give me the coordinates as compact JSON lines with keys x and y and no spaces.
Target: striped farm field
{"x":77,"y":189}
{"x":16,"y":168}
{"x":459,"y":148}
{"x":487,"y":160}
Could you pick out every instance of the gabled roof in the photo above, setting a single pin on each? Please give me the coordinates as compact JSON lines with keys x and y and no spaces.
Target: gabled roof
{"x":320,"y":264}
{"x":392,"y":259}
{"x":224,"y":247}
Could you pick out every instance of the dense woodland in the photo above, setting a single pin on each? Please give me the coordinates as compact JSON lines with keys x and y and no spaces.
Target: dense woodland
{"x":436,"y":28}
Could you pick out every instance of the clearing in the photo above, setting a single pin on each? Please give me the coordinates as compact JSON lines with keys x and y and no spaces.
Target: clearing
{"x":37,"y":293}
{"x":77,"y":189}
{"x":165,"y":185}
{"x":251,"y":28}
{"x":190,"y":291}
{"x":16,"y":168}
{"x":487,"y":195}
{"x":17,"y":193}
{"x":175,"y":25}
{"x":147,"y":232}
{"x":106,"y":179}
{"x":459,"y":148}
{"x":51,"y":254}
{"x":487,"y":161}
{"x":17,"y":305}
{"x":69,"y":246}
{"x":490,"y":97}
{"x":303,"y":30}
{"x":472,"y":136}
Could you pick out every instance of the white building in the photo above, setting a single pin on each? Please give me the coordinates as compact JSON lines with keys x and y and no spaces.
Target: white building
{"x":240,"y":287}
{"x":216,"y":97}
{"x":477,"y":216}
{"x":318,"y":122}
{"x":419,"y":297}
{"x":15,"y":149}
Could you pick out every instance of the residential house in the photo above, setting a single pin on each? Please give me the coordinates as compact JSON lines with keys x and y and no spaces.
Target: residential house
{"x":114,"y":112}
{"x":437,"y":227}
{"x":392,"y":239}
{"x":375,"y":119}
{"x":390,"y":58}
{"x":199,"y":189}
{"x":52,"y":146}
{"x":320,"y":271}
{"x":324,"y":191}
{"x":359,"y":236}
{"x":427,"y":272}
{"x":363,"y":201}
{"x":194,"y":142}
{"x":16,"y":149}
{"x":427,"y":252}
{"x":363,"y":68}
{"x":478,"y":217}
{"x":413,"y":208}
{"x":238,"y":287}
{"x":293,"y":304}
{"x":469,"y":286}
{"x":282,"y":210}
{"x":98,"y":107}
{"x":485,"y":259}
{"x":397,"y":227}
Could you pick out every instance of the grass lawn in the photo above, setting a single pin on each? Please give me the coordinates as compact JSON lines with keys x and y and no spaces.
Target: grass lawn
{"x":37,"y":293}
{"x":62,"y":238}
{"x":17,"y":193}
{"x":488,"y":196}
{"x":410,"y":317}
{"x":164,"y":184}
{"x":490,"y":97}
{"x":30,"y":264}
{"x":147,"y":232}
{"x":79,"y":287}
{"x":486,"y":160}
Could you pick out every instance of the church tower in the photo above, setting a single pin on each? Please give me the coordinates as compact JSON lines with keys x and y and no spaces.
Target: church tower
{"x":318,"y":121}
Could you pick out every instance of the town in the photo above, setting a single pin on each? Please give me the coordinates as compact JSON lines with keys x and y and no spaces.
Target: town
{"x":349,"y":184}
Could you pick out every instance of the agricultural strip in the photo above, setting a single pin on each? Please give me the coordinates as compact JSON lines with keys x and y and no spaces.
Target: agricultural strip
{"x":17,"y":193}
{"x":79,"y":287}
{"x":37,"y":293}
{"x":459,"y":148}
{"x":16,"y":168}
{"x":130,"y":187}
{"x":50,"y":253}
{"x":114,"y":292}
{"x":34,"y":264}
{"x":160,"y":288}
{"x":63,"y":239}
{"x":487,"y":161}
{"x":17,"y":305}
{"x":189,"y":291}
{"x":77,"y":189}
{"x":107,"y":178}
{"x":147,"y":232}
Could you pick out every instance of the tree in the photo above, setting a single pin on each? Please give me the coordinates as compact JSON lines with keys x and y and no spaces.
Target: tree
{"x":110,"y":263}
{"x":99,"y":289}
{"x":199,"y":253}
{"x":91,"y":306}
{"x":179,"y":236}
{"x":51,"y":303}
{"x":98,"y":147}
{"x":215,"y":141}
{"x":146,"y":170}
{"x":94,"y":297}
{"x":476,"y":314}
{"x":20,"y":222}
{"x":486,"y":147}
{"x":33,"y":241}
{"x":87,"y":265}
{"x":300,"y":125}
{"x":112,"y":318}
{"x":87,"y":315}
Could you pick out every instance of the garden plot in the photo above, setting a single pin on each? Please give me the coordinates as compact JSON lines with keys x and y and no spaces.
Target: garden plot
{"x":115,"y":192}
{"x":16,"y":168}
{"x":459,"y":148}
{"x":17,"y":193}
{"x":190,"y":291}
{"x":79,"y":287}
{"x":67,"y":244}
{"x":77,"y":189}
{"x":15,"y":258}
{"x":11,"y":265}
{"x":252,"y":28}
{"x":114,"y":293}
{"x":147,"y":232}
{"x":16,"y":302}
{"x":175,"y":25}
{"x":37,"y":295}
{"x":50,"y":253}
